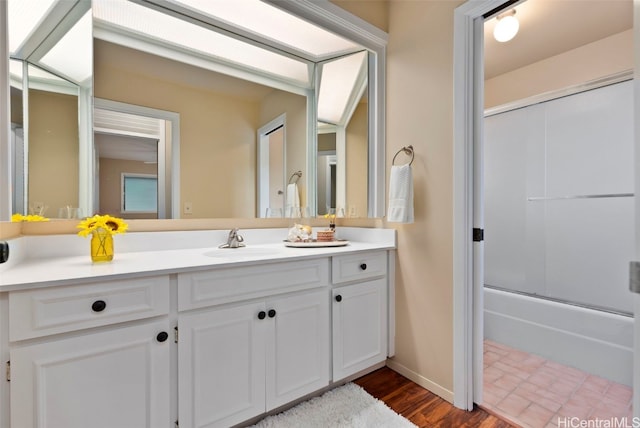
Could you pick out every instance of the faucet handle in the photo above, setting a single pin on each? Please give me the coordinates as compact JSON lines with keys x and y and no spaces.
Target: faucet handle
{"x":235,"y":239}
{"x":234,"y":234}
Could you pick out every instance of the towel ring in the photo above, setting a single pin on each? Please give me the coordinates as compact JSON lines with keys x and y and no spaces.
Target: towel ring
{"x":408,"y":150}
{"x":297,"y":174}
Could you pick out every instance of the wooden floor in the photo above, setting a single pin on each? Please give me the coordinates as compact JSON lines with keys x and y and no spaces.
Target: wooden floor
{"x":421,"y":406}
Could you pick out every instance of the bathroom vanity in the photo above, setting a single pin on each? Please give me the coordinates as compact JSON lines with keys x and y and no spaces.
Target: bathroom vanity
{"x":190,"y":335}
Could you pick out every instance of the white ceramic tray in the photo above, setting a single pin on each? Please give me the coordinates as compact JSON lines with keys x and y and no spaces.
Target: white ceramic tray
{"x":315,"y":244}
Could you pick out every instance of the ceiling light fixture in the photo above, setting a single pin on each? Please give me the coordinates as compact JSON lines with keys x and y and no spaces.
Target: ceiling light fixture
{"x":507,"y":26}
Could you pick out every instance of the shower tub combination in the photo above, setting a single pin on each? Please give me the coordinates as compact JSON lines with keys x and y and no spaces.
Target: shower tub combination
{"x":594,"y":341}
{"x":559,"y":229}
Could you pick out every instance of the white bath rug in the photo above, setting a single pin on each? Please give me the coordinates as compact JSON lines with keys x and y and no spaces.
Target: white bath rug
{"x":348,"y":406}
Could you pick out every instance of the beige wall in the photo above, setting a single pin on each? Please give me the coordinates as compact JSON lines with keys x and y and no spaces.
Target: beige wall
{"x":419,"y":112}
{"x":327,"y":142}
{"x":604,"y":57}
{"x":110,"y":184}
{"x":53,"y":150}
{"x":375,"y":12}
{"x":217,"y":138}
{"x":357,"y":149}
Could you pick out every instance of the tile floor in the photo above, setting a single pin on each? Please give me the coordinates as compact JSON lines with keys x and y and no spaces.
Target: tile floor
{"x":537,"y":393}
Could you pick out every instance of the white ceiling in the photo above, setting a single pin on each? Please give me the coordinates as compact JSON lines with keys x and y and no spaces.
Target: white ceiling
{"x":551,"y":27}
{"x":127,"y":148}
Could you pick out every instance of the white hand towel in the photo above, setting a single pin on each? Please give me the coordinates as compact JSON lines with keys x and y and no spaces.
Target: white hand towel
{"x":400,"y":194}
{"x":293,"y":196}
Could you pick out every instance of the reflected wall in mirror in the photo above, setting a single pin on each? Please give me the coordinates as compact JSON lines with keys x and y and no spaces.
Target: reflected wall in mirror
{"x":53,"y":143}
{"x":219,"y":117}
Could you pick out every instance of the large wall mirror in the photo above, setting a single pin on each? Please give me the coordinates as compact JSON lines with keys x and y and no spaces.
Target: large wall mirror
{"x":215,"y":116}
{"x":50,"y":106}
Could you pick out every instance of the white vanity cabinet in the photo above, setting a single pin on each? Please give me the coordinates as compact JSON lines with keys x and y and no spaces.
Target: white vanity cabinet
{"x":190,"y":340}
{"x":115,"y":378}
{"x":239,"y":360}
{"x":72,"y":376}
{"x":359,"y":313}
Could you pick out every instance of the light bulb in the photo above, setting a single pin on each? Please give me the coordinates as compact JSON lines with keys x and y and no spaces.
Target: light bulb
{"x":506,"y":28}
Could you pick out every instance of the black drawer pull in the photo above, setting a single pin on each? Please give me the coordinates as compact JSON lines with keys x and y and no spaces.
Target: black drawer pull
{"x":363,"y":266}
{"x":262,"y":315}
{"x":338,"y":298}
{"x":162,"y":336}
{"x":272,"y":313}
{"x":99,"y":306}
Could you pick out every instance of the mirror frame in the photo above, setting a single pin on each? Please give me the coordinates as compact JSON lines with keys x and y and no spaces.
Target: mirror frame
{"x":322,"y":13}
{"x":5,"y":120}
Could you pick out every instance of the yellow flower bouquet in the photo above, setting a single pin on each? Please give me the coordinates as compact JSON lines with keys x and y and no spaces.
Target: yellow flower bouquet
{"x":102,"y":228}
{"x":16,"y":218}
{"x":107,"y":223}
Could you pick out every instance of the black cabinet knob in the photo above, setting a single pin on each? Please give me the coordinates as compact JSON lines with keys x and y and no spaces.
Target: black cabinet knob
{"x":272,"y":313}
{"x":162,"y":336}
{"x":338,"y":298}
{"x":98,"y":306}
{"x":262,"y":315}
{"x":363,"y":266}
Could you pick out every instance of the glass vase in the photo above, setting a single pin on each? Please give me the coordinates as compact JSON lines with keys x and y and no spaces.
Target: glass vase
{"x":101,"y":246}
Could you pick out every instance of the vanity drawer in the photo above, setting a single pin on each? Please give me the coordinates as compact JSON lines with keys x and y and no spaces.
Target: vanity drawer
{"x":356,"y":267}
{"x":224,"y":285}
{"x":45,"y":311}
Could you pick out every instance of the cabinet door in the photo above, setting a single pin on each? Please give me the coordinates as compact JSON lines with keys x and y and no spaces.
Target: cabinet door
{"x":116,"y":378}
{"x":298,"y":346}
{"x":359,"y":327}
{"x":221,"y":366}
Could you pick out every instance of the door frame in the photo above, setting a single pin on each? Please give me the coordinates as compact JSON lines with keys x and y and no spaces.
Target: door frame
{"x":168,"y":154}
{"x":636,"y":296}
{"x":467,"y":255}
{"x":262,"y":173}
{"x":468,"y":113}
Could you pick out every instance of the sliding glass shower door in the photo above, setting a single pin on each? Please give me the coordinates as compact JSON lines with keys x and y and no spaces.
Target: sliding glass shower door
{"x":559,"y":206}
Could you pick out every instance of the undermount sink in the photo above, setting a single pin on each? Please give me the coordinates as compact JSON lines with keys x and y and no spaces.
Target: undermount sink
{"x":239,"y":253}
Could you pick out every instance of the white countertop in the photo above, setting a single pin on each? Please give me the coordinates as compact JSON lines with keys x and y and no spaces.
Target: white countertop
{"x":53,"y":260}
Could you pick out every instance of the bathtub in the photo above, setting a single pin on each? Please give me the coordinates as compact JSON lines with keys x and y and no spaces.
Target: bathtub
{"x":594,"y":341}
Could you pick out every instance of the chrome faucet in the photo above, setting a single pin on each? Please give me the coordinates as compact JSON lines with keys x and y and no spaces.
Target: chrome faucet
{"x":234,"y":240}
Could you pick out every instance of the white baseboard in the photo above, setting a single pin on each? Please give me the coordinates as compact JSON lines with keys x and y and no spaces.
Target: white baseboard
{"x":437,"y":389}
